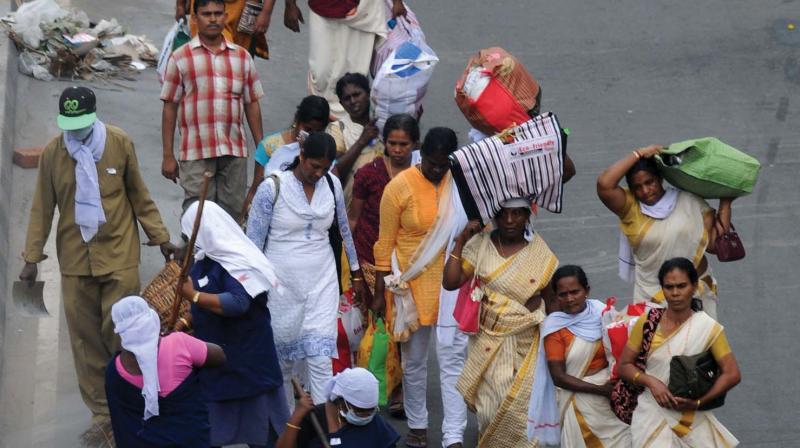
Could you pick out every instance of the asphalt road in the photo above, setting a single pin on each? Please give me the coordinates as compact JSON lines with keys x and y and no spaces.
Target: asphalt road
{"x":621,"y":74}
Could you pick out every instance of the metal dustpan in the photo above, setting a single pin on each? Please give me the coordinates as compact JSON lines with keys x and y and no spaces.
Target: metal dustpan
{"x":29,"y":298}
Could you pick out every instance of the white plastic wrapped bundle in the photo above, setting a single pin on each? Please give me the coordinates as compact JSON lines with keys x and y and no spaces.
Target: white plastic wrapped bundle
{"x":402,"y":81}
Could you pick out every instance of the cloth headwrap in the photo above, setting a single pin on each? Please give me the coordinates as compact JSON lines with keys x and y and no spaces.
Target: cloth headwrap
{"x":660,"y":210}
{"x":544,"y":421}
{"x":138,"y":327}
{"x":89,"y":214}
{"x":222,"y":240}
{"x":522,"y":203}
{"x":357,"y":386}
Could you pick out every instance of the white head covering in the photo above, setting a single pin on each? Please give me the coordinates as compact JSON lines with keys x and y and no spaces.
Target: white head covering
{"x":222,"y":240}
{"x":357,"y":386}
{"x":138,"y":326}
{"x":521,"y":202}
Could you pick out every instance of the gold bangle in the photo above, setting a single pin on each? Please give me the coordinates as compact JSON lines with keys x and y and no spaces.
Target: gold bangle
{"x":196,"y":297}
{"x":636,"y":377}
{"x":357,"y":279}
{"x":289,"y":425}
{"x":698,"y":404}
{"x":454,"y":257}
{"x":185,"y":323}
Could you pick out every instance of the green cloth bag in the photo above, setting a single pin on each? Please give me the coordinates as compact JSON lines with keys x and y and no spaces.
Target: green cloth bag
{"x":377,"y":358}
{"x":709,"y":168}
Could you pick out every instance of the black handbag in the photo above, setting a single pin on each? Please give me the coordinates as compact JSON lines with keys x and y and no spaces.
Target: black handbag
{"x":693,"y":376}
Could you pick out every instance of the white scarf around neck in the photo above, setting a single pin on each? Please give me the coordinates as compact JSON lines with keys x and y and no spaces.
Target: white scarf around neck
{"x":89,"y":214}
{"x":660,"y":210}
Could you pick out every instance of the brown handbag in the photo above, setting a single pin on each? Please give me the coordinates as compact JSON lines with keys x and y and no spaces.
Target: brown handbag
{"x":728,"y":246}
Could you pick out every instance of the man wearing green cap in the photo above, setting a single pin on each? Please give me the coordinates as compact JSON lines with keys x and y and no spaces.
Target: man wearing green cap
{"x":90,"y":172}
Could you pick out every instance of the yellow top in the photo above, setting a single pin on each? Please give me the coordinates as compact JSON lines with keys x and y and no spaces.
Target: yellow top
{"x":409,"y":207}
{"x":125,"y":200}
{"x":719,"y":348}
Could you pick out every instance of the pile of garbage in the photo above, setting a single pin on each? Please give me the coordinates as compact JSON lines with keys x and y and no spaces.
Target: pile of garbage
{"x":54,"y":42}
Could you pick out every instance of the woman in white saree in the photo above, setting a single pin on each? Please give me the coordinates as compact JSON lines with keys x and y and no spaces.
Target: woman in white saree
{"x":662,"y":419}
{"x":657,"y":224}
{"x":570,"y":399}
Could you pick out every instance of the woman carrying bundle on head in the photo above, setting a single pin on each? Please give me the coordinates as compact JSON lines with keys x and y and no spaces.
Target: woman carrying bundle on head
{"x":154,"y":394}
{"x":228,"y":288}
{"x":660,"y":223}
{"x":570,"y":400}
{"x":294,"y":217}
{"x":661,"y":418}
{"x":512,"y":266}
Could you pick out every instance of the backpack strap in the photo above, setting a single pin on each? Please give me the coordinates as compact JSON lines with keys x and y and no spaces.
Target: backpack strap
{"x":277,"y":181}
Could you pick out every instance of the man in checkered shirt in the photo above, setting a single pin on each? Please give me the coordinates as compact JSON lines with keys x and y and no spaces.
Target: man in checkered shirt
{"x":213,"y":82}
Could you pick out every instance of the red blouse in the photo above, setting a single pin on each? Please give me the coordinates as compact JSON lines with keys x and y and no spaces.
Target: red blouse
{"x":368,"y":184}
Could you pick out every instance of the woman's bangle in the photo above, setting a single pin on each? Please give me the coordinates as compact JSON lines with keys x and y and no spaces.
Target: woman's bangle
{"x":698,"y":404}
{"x":454,"y":257}
{"x":196,"y":297}
{"x":357,"y":279}
{"x":289,"y":425}
{"x":637,"y":154}
{"x":636,"y":377}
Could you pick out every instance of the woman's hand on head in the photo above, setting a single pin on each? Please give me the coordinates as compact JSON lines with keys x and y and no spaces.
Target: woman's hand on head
{"x":650,"y":151}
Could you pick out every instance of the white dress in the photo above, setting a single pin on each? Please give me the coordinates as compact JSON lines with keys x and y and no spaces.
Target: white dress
{"x":294,"y":236}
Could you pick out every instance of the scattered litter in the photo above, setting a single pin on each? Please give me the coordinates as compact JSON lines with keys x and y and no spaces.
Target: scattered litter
{"x":55,"y":42}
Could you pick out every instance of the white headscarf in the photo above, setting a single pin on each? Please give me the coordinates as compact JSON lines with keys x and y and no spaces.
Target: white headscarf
{"x":663,"y":208}
{"x":522,"y":203}
{"x":357,"y":386}
{"x":222,"y":240}
{"x":138,"y":327}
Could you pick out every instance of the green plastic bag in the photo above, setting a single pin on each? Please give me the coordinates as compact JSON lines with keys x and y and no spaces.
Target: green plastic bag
{"x":377,"y":358}
{"x":709,"y":168}
{"x":181,"y":37}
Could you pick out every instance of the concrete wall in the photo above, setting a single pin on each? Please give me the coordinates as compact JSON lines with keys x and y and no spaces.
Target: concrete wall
{"x":8,"y":90}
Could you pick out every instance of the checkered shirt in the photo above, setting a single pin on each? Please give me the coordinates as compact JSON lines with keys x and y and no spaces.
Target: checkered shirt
{"x":212,"y":90}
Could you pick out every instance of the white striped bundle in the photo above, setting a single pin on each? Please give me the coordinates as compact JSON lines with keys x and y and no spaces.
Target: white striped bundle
{"x":490,"y":171}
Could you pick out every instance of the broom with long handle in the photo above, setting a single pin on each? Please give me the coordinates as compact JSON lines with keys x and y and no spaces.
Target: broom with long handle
{"x":176,"y":303}
{"x":323,"y":438}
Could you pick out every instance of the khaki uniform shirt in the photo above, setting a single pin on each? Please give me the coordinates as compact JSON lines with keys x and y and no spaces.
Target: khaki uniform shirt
{"x":125,"y":200}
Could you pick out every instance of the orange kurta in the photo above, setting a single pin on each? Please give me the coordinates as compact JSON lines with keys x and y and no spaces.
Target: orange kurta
{"x":409,"y":207}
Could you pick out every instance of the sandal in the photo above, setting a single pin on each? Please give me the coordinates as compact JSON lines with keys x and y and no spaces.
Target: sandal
{"x":417,"y":438}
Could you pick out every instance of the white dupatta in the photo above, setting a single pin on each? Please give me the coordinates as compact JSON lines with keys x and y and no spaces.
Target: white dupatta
{"x":406,"y":317}
{"x":544,"y":418}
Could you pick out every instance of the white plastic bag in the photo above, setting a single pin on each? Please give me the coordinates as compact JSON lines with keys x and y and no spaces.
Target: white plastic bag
{"x":402,"y":81}
{"x":166,"y":47}
{"x":31,"y":15}
{"x":401,"y":29}
{"x":352,"y":322}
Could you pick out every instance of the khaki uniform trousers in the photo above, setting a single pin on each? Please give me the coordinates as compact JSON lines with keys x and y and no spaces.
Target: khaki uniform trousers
{"x":87,"y":308}
{"x":228,"y":186}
